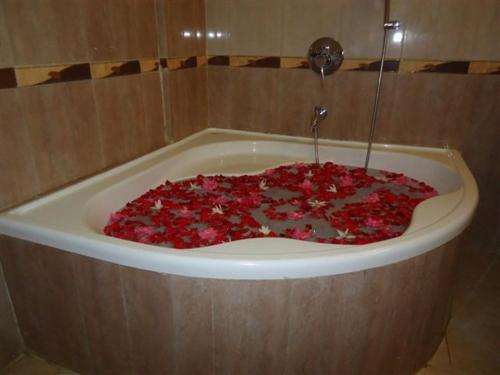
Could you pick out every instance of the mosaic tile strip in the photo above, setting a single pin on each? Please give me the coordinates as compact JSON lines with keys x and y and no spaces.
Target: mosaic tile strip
{"x":31,"y":76}
{"x":8,"y":78}
{"x":415,"y":66}
{"x":12,"y":77}
{"x":484,"y":67}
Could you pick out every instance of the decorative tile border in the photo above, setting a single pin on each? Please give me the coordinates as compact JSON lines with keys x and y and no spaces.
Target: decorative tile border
{"x":12,"y":77}
{"x":390,"y":65}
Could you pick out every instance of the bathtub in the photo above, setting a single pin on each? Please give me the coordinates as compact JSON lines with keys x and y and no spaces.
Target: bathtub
{"x":333,"y":299}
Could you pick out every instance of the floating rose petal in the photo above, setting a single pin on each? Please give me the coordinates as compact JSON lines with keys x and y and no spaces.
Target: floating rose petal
{"x":208,"y":234}
{"x":301,"y":235}
{"x":400,"y":180}
{"x":306,"y":185}
{"x":295,"y":215}
{"x":374,"y":222}
{"x":372,"y":198}
{"x":346,"y":181}
{"x":209,"y":184}
{"x":185,"y":213}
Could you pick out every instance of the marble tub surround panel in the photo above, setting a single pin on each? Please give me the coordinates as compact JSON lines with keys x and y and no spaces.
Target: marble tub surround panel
{"x":12,"y":342}
{"x":122,"y":320}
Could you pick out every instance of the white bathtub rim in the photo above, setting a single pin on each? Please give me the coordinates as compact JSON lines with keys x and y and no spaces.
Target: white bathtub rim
{"x":334,"y":259}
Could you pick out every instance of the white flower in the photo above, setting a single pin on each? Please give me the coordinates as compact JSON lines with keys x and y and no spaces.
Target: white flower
{"x":158,"y":206}
{"x":194,"y":187}
{"x":316,"y":203}
{"x":263,"y":185}
{"x":344,"y":235}
{"x":332,"y":188}
{"x":309,"y":174}
{"x":217,"y":210}
{"x":381,"y":178}
{"x":265,"y":230}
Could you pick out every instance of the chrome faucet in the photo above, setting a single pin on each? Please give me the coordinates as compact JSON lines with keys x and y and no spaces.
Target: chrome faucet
{"x":320,"y":114}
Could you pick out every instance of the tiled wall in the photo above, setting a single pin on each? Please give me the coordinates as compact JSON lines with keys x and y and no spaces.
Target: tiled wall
{"x":442,"y":87}
{"x":86,"y":85}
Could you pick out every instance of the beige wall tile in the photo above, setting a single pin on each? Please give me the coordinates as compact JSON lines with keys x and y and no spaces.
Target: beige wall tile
{"x":244,"y":98}
{"x":187,"y":92}
{"x":424,"y":109}
{"x":357,"y":25}
{"x":18,"y":180}
{"x":120,"y":29}
{"x":449,"y":29}
{"x":122,"y":121}
{"x":154,"y":132}
{"x":43,"y":32}
{"x":185,"y":27}
{"x":63,"y":132}
{"x":247,"y":27}
{"x":6,"y":57}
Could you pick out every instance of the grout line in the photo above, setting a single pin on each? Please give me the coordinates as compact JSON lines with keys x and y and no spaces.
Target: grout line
{"x":9,"y":298}
{"x":448,"y":351}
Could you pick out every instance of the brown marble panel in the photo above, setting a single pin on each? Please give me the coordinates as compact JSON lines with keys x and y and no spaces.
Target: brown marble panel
{"x":48,"y":309}
{"x":383,"y":320}
{"x":303,"y":23}
{"x":149,"y":307}
{"x":104,"y":313}
{"x":120,"y":111}
{"x":154,"y":134}
{"x":18,"y":180}
{"x":192,"y":322}
{"x":63,"y":131}
{"x":424,"y":109}
{"x":184,"y":27}
{"x":250,"y":326}
{"x":187,"y":96}
{"x":230,"y":304}
{"x":245,"y":28}
{"x":43,"y":32}
{"x":6,"y":57}
{"x":243,"y":98}
{"x":267,"y":326}
{"x":449,"y":29}
{"x":120,"y":29}
{"x":11,"y":343}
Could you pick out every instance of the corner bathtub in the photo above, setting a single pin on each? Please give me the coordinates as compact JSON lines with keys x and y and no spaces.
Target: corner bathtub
{"x":256,"y":306}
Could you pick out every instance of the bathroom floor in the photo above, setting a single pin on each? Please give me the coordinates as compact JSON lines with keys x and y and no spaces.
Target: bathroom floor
{"x":473,"y":337}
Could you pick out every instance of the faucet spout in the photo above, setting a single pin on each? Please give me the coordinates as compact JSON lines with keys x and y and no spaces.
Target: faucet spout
{"x":320,"y":114}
